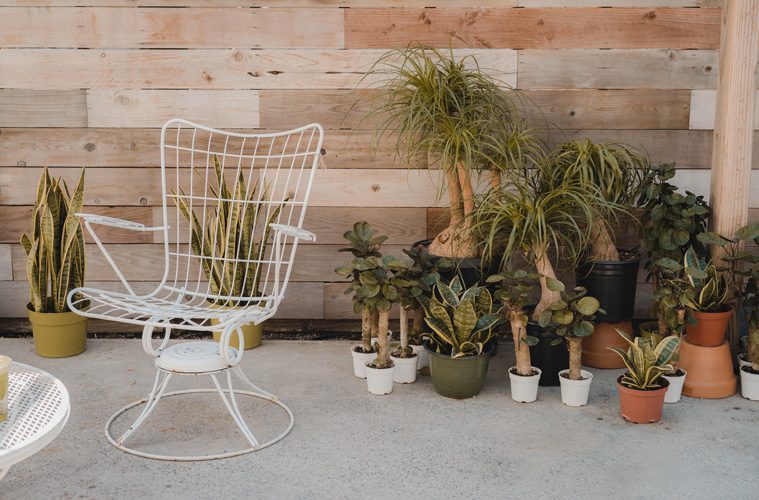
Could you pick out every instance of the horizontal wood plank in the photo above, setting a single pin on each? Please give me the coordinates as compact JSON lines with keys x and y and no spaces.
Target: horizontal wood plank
{"x":42,"y":108}
{"x":6,"y":267}
{"x":618,"y":69}
{"x":534,"y":28}
{"x":212,"y":69}
{"x":118,"y":28}
{"x":302,"y":301}
{"x":152,"y":108}
{"x":703,"y":106}
{"x":277,"y":3}
{"x":567,"y":109}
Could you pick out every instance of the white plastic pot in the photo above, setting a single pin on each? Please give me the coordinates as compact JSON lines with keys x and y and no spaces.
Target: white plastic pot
{"x":379,"y":381}
{"x":749,"y":385}
{"x":405,"y":370}
{"x":575,"y":392}
{"x":675,"y":388}
{"x":360,"y":359}
{"x":524,"y":389}
{"x":742,"y":360}
{"x":422,"y":358}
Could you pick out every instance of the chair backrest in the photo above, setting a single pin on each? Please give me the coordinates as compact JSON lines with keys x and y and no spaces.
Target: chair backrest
{"x":221,"y":192}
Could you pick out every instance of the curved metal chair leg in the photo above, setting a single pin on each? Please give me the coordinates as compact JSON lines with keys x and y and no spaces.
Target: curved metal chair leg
{"x":149,"y":406}
{"x":234,"y":410}
{"x":245,"y":379}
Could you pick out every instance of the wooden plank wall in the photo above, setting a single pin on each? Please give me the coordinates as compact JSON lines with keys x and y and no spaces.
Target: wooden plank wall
{"x":90,"y":82}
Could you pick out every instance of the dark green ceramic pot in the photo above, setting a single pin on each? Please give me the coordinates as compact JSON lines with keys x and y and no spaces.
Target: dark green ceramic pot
{"x":458,"y":378}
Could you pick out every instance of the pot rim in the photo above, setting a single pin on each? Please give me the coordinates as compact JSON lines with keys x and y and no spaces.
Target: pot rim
{"x":405,"y":360}
{"x":642,"y":394}
{"x":448,"y":356}
{"x":744,"y":369}
{"x":392,"y":365}
{"x":675,"y":375}
{"x":525,"y":377}
{"x":713,"y":315}
{"x":353,"y":350}
{"x":585,"y":373}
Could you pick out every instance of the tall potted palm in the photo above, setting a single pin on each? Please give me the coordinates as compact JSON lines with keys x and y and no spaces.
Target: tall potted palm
{"x":55,"y":266}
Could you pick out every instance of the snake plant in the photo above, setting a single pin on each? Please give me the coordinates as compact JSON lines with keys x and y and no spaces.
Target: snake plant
{"x":646,"y":362}
{"x":55,"y":247}
{"x":705,"y":288}
{"x":461,"y":320}
{"x":230,"y":253}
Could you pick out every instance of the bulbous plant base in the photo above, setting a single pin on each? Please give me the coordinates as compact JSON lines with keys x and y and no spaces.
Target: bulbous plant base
{"x":710,"y":370}
{"x":595,"y":352}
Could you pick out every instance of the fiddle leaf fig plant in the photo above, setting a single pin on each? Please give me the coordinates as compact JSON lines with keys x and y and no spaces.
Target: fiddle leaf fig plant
{"x":572,"y":318}
{"x":461,"y":320}
{"x":55,"y":247}
{"x":646,"y":362}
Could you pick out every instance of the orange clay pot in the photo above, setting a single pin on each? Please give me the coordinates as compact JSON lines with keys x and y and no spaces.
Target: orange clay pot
{"x":710,"y":370}
{"x":642,"y":407}
{"x":710,"y":327}
{"x":594,"y":347}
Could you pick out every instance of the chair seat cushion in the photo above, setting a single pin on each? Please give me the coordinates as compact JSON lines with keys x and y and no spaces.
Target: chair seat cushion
{"x":193,"y":357}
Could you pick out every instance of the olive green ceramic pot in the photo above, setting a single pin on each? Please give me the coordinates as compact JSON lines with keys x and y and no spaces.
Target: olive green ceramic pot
{"x":458,"y":378}
{"x":58,"y":335}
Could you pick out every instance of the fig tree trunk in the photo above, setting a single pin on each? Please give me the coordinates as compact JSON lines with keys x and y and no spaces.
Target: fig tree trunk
{"x":366,"y":329}
{"x":575,"y":357}
{"x":545,"y":269}
{"x":603,"y":249}
{"x":418,"y":322}
{"x":518,"y":321}
{"x":404,"y":328}
{"x":752,"y":354}
{"x":455,"y":241}
{"x":382,"y":354}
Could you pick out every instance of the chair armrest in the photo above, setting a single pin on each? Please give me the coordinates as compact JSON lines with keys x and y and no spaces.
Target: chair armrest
{"x":293,"y":232}
{"x":114,"y":222}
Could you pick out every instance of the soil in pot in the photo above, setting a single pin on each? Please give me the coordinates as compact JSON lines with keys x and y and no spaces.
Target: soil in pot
{"x":710,"y":370}
{"x":749,"y":383}
{"x":458,"y":378}
{"x":710,"y":327}
{"x":614,"y":285}
{"x":58,"y":335}
{"x":549,"y":358}
{"x":641,"y":407}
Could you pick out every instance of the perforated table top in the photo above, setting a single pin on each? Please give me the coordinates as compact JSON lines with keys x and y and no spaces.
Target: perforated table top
{"x":38,"y":408}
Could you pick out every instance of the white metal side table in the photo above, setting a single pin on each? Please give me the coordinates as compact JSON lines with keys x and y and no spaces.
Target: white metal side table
{"x":38,"y":408}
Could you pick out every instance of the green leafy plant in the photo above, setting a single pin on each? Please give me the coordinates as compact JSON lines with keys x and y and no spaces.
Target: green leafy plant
{"x":671,"y":221}
{"x":646,"y":362}
{"x":227,"y":244}
{"x":55,"y":248}
{"x":448,"y":112}
{"x":572,"y":318}
{"x":705,"y":289}
{"x":513,"y":292}
{"x":617,"y":170}
{"x":461,"y":320}
{"x":751,"y":312}
{"x":374,"y":287}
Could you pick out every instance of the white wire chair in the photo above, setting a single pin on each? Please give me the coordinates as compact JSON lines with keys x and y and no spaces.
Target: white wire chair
{"x":214,"y":280}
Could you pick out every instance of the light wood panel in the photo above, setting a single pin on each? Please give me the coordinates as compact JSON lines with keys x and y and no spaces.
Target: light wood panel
{"x":618,"y":69}
{"x":42,"y":108}
{"x":534,"y":28}
{"x":277,"y":3}
{"x":152,"y":108}
{"x":6,"y":269}
{"x":703,"y":106}
{"x":568,"y":109}
{"x":302,"y":300}
{"x":106,"y":27}
{"x":212,"y":69}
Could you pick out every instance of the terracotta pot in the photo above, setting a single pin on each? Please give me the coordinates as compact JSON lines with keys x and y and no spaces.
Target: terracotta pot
{"x":710,"y":370}
{"x":642,"y":407}
{"x":710,"y":328}
{"x":594,"y":347}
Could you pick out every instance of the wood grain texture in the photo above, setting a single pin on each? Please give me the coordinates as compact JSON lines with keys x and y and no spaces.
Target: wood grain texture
{"x":152,"y":108}
{"x":284,"y":3}
{"x":42,"y":108}
{"x":212,"y":69}
{"x":618,"y":69}
{"x":6,"y":267}
{"x":703,"y":107}
{"x":567,"y":109}
{"x":303,"y":300}
{"x":118,"y":28}
{"x":534,"y":28}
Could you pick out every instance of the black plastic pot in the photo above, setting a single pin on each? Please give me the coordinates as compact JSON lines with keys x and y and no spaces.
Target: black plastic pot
{"x":551,"y":359}
{"x":471,"y":271}
{"x":613,"y":284}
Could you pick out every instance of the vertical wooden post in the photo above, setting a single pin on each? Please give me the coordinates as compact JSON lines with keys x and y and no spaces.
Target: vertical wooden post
{"x":734,"y":120}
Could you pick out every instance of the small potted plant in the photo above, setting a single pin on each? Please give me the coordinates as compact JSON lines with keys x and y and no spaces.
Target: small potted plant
{"x":363,"y":245}
{"x":229,"y":233}
{"x":642,"y":387}
{"x":707,"y":303}
{"x":573,"y":318}
{"x":55,"y":266}
{"x":461,"y":322}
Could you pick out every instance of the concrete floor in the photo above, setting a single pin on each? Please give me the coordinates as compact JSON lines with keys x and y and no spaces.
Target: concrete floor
{"x":410,"y":444}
